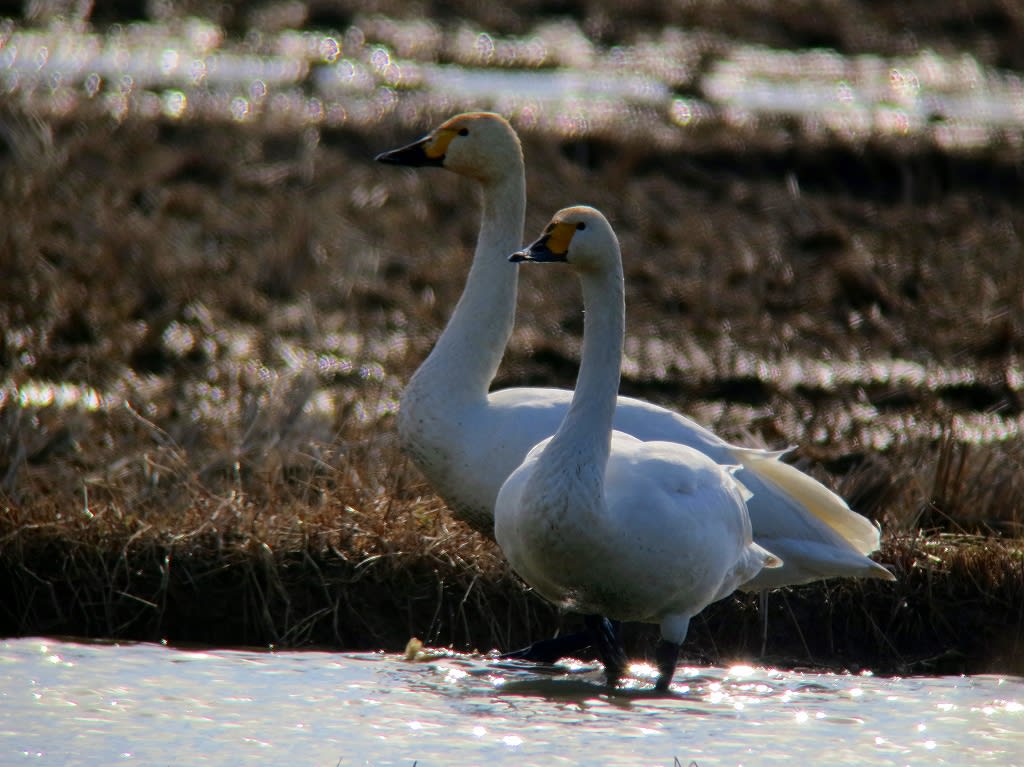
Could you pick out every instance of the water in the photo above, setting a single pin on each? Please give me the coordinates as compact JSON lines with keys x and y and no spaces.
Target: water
{"x":649,"y":358}
{"x":554,"y":79}
{"x":63,"y":703}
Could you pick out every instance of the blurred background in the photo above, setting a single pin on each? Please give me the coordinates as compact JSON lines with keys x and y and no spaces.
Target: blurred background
{"x":211,"y":296}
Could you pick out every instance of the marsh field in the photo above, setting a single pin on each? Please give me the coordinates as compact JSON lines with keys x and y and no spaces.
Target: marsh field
{"x":211,"y":297}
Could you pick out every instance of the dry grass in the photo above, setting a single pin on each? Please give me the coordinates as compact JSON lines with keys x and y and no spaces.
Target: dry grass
{"x":246,"y":307}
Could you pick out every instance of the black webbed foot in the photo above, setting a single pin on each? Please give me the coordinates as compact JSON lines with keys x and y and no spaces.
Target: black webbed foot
{"x":667,"y":656}
{"x":605,"y":637}
{"x":551,"y":650}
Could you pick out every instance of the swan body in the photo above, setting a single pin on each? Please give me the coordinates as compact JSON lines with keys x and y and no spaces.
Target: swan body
{"x":467,"y":440}
{"x":601,"y":522}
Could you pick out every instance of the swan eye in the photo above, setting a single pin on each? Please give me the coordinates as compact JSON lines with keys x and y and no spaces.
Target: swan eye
{"x":464,"y":132}
{"x":581,"y":226}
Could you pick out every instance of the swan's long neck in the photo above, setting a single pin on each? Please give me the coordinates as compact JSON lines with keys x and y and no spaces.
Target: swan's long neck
{"x":466,"y":357}
{"x":585,"y":433}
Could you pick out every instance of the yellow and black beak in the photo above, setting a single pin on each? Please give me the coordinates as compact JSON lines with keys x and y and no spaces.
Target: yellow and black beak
{"x":429,"y":151}
{"x":539,"y":252}
{"x":550,"y":247}
{"x":413,"y":155}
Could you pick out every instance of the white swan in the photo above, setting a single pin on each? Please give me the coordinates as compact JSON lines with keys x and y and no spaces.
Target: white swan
{"x":600,"y":522}
{"x":467,"y":441}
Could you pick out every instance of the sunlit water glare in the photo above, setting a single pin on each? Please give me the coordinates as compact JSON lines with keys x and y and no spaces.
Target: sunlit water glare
{"x":553,"y":79}
{"x":63,"y":703}
{"x":368,"y":360}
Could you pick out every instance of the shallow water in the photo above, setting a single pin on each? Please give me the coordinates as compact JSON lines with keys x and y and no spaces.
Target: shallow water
{"x":63,"y":703}
{"x":555,"y":80}
{"x":654,"y":361}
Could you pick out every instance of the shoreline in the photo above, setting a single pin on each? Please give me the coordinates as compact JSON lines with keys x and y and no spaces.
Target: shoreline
{"x":957,"y":606}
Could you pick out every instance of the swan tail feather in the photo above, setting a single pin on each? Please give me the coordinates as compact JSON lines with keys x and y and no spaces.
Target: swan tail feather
{"x":807,"y":559}
{"x":827,"y":506}
{"x":770,"y":560}
{"x":744,"y":490}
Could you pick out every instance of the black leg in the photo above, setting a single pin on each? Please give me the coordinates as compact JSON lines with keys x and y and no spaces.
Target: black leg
{"x":605,"y":635}
{"x":667,"y":655}
{"x":764,"y":622}
{"x":550,"y":650}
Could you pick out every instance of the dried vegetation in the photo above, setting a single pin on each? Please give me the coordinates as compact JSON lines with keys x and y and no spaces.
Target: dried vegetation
{"x":205,"y":332}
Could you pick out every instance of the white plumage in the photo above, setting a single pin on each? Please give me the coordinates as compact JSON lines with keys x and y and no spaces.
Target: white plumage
{"x":467,"y":440}
{"x":600,"y":522}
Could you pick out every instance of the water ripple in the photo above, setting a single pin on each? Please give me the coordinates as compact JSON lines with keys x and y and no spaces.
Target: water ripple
{"x":80,"y":704}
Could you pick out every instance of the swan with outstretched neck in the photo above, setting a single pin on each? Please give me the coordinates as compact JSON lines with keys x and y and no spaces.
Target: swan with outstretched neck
{"x":466,"y":440}
{"x":600,"y":522}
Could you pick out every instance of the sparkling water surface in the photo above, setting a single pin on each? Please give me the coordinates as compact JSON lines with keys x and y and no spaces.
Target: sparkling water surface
{"x":67,"y":703}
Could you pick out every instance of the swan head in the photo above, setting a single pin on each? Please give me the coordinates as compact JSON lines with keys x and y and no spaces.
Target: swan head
{"x":580,"y":236}
{"x":479,"y":145}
